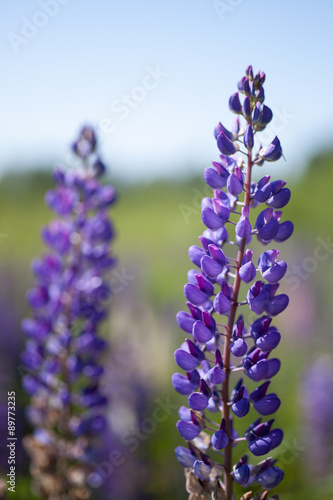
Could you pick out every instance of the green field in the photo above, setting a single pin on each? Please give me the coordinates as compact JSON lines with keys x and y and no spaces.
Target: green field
{"x":155,"y":224}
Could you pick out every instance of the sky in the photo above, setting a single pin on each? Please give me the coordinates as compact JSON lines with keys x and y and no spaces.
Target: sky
{"x":154,"y":78}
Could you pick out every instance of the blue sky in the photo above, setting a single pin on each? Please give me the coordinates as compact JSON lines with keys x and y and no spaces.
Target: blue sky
{"x":154,"y":77}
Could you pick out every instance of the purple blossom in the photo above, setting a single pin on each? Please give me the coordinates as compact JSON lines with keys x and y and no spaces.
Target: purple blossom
{"x":213,"y":294}
{"x":273,"y":152}
{"x":68,"y":301}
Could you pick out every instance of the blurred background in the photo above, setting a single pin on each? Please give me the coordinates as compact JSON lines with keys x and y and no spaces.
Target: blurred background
{"x":154,"y":79}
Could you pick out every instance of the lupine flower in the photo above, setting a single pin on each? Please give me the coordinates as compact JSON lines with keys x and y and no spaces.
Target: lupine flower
{"x":317,"y":408}
{"x":68,"y":301}
{"x":10,"y":348}
{"x":213,"y":323}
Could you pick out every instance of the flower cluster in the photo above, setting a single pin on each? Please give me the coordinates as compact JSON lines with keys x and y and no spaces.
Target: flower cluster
{"x":68,"y":301}
{"x":219,"y":343}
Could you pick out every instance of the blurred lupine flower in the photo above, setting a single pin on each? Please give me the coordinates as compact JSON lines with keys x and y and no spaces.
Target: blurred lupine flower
{"x":62,"y":354}
{"x":11,"y":345}
{"x":213,"y":323}
{"x":317,"y":410}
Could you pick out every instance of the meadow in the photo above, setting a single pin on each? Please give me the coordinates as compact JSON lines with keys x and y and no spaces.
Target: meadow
{"x":155,"y":224}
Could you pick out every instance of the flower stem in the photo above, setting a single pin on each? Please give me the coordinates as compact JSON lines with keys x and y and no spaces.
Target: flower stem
{"x":228,"y":479}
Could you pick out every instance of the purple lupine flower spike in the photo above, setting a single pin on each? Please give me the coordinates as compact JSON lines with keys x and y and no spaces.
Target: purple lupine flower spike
{"x":68,"y":301}
{"x":214,"y":324}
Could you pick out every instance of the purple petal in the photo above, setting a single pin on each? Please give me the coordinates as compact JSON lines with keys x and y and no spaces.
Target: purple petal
{"x":260,"y":326}
{"x":194,"y":294}
{"x":234,"y":185}
{"x":266,"y":115}
{"x":259,"y":304}
{"x":182,"y":384}
{"x":263,"y":218}
{"x":220,"y":128}
{"x":247,"y":272}
{"x":271,"y":288}
{"x":256,"y":113}
{"x":259,"y":371}
{"x":259,"y":392}
{"x":214,"y":179}
{"x":260,"y":446}
{"x":274,"y":365}
{"x":248,"y":138}
{"x":241,"y":407}
{"x":210,"y":266}
{"x":185,"y":321}
{"x":273,"y":152}
{"x":243,"y":227}
{"x":267,"y":405}
{"x":277,"y":304}
{"x":184,"y":456}
{"x":242,"y":475}
{"x":201,"y":470}
{"x":281,"y":199}
{"x":205,"y":285}
{"x":234,"y":104}
{"x":220,"y":440}
{"x":201,"y":333}
{"x":276,"y":186}
{"x":226,"y":146}
{"x":270,"y":340}
{"x":269,"y":230}
{"x":267,"y":259}
{"x":270,"y":478}
{"x":209,"y":321}
{"x":221,"y":169}
{"x":246,"y":108}
{"x":238,"y":347}
{"x":276,"y":272}
{"x":221,"y":209}
{"x":263,"y":193}
{"x":198,"y":401}
{"x":191,"y":276}
{"x":185,"y":360}
{"x":195,"y":350}
{"x":188,"y":430}
{"x":285,"y":230}
{"x":276,"y":437}
{"x":222,"y":304}
{"x":196,"y":253}
{"x":216,"y":375}
{"x":217,"y":254}
{"x":185,"y":413}
{"x":211,"y":219}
